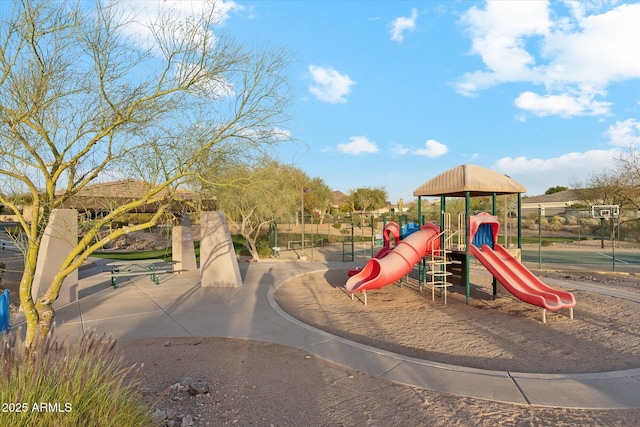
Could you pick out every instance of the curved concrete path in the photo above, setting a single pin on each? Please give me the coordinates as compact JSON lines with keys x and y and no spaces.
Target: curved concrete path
{"x":179,"y":307}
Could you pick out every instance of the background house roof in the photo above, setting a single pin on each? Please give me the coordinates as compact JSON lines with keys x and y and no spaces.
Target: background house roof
{"x":109,"y":195}
{"x":566,"y":196}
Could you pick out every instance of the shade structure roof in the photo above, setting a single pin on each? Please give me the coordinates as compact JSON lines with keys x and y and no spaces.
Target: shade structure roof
{"x":475,"y":180}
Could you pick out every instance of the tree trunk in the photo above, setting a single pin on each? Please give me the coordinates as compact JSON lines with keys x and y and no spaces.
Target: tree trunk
{"x":26,"y":299}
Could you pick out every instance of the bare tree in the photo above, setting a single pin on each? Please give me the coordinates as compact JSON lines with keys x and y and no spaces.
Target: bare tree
{"x":252,"y":196}
{"x":91,"y":95}
{"x":606,"y":187}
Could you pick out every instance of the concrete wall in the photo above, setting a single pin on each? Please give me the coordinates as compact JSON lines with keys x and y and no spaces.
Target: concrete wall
{"x":184,"y":254}
{"x":218,"y":263}
{"x":60,"y":237}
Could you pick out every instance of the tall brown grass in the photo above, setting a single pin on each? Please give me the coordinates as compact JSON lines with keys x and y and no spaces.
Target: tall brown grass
{"x":60,"y":384}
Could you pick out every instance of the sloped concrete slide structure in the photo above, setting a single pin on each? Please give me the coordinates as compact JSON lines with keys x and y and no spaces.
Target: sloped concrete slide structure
{"x":59,"y":238}
{"x":218,"y":262}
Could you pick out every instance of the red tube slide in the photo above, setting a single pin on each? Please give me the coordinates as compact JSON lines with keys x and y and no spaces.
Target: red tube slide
{"x":390,"y":230}
{"x":398,"y":262}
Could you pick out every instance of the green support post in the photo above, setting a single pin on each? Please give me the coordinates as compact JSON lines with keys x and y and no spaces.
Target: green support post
{"x":494,"y":206}
{"x":494,"y":211}
{"x":467,"y":202}
{"x":373,"y":237}
{"x":421,"y":265}
{"x":519,"y":221}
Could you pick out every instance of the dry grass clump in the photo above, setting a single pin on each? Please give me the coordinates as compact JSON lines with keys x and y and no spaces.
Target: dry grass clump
{"x":58,"y":384}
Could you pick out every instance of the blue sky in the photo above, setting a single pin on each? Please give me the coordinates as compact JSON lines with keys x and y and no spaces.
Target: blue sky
{"x":392,"y":93}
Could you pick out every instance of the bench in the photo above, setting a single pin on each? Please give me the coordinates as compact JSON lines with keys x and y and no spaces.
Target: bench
{"x":141,"y":269}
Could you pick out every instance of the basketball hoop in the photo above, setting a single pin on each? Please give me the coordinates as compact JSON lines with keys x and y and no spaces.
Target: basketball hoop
{"x":605,"y":211}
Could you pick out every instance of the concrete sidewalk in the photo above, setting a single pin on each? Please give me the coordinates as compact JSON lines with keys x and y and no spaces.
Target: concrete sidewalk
{"x":179,"y":307}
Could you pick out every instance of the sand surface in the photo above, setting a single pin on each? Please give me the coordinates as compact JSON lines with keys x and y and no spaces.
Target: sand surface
{"x":503,"y":334}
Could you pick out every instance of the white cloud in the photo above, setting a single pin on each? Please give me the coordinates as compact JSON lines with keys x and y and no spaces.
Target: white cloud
{"x":540,"y":174}
{"x":498,"y":35}
{"x":358,"y":145}
{"x":579,"y":54}
{"x":329,"y":85}
{"x":207,"y":87}
{"x":624,"y":133}
{"x":432,"y":149}
{"x":181,"y":20}
{"x":398,"y":149}
{"x":262,"y":133}
{"x":142,"y":14}
{"x":403,"y":24}
{"x":602,"y":49}
{"x":565,"y":105}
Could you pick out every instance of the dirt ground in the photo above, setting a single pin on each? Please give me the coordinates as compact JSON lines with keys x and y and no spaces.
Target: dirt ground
{"x":262,"y":384}
{"x":254,"y":383}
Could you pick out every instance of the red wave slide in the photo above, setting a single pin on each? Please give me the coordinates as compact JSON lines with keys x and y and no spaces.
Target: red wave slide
{"x":398,"y":262}
{"x":518,"y":280}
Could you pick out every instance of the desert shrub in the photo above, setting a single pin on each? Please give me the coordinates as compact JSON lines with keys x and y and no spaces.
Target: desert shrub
{"x":572,"y":220}
{"x":68,"y":385}
{"x":118,"y":224}
{"x":264,"y":249}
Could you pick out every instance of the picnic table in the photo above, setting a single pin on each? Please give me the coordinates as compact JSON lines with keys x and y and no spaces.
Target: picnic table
{"x":151,"y":268}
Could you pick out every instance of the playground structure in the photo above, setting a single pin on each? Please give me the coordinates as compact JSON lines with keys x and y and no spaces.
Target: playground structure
{"x":391,"y":229}
{"x":397,"y":262}
{"x":448,"y":252}
{"x":512,"y":274}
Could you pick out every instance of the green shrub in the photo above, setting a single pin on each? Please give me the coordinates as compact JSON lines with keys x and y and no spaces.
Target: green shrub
{"x":68,"y":385}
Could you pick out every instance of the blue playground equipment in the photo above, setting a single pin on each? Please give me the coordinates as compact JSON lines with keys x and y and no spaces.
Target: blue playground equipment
{"x":408,"y":229}
{"x":4,"y":311}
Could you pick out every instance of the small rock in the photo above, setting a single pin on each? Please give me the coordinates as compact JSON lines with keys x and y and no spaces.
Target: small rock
{"x":178,"y":387}
{"x":187,"y":421}
{"x":185,"y":381}
{"x":198,"y":387}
